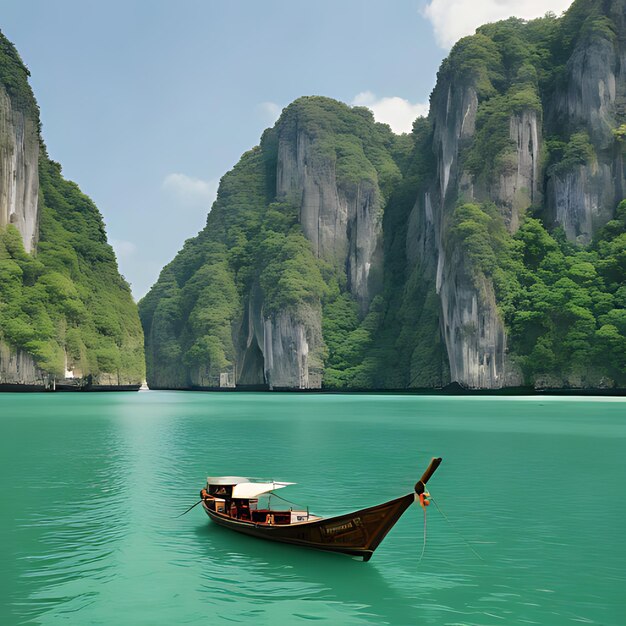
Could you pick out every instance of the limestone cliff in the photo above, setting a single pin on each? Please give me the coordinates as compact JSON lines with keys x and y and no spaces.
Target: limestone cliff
{"x":18,"y":368}
{"x":19,"y":188}
{"x":467,"y":110}
{"x":66,"y":314}
{"x":310,"y":216}
{"x":582,"y":198}
{"x":279,"y":350}
{"x":19,"y":174}
{"x":482,"y":248}
{"x":341,"y":218}
{"x":472,"y":326}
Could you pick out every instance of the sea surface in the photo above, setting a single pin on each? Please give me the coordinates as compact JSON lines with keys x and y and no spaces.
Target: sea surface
{"x":533,"y":491}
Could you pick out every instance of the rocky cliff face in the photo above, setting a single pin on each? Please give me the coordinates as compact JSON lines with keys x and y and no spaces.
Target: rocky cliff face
{"x":580,"y":199}
{"x":343,"y":222}
{"x":313,"y":204}
{"x":525,"y":135}
{"x":19,"y":368}
{"x":19,"y":169}
{"x":519,"y":181}
{"x":583,"y":199}
{"x":471,"y":324}
{"x":279,"y":350}
{"x":65,"y":312}
{"x":473,"y":330}
{"x":341,"y":219}
{"x":19,"y":190}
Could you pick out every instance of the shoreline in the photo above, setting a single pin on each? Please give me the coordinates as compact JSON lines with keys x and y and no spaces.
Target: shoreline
{"x":17,"y":388}
{"x":450,"y":390}
{"x":453,"y":389}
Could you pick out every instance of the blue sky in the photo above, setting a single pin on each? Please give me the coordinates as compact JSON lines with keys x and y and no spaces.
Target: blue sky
{"x":146,"y":104}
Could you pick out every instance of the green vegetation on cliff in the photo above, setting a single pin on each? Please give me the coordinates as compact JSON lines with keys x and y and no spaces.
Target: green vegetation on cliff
{"x":249,"y":240}
{"x":172,"y":312}
{"x":473,"y":237}
{"x":408,"y":350}
{"x":68,"y":303}
{"x":516,"y":66}
{"x":65,"y":304}
{"x":256,"y":240}
{"x":14,"y":78}
{"x":565,"y":306}
{"x":560,"y":307}
{"x":557,"y":302}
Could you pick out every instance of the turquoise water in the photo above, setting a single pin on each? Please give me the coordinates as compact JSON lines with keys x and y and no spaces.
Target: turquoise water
{"x":92,"y":484}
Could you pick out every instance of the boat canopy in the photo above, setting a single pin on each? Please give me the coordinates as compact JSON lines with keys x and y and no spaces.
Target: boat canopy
{"x":249,"y":490}
{"x":226,"y":480}
{"x":243,"y":488}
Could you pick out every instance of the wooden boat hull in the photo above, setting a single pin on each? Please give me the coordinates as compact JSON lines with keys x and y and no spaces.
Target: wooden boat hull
{"x":358,"y":533}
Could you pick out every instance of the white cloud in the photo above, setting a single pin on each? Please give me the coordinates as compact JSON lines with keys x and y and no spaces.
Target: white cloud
{"x":270,"y":112}
{"x":189,"y":192}
{"x":453,"y":19}
{"x":123,"y":249}
{"x":397,"y":112}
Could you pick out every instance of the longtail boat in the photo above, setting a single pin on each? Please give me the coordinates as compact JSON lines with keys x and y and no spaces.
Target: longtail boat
{"x":233,"y":502}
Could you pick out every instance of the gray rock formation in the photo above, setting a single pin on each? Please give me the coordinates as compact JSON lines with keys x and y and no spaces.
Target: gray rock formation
{"x":343,"y":221}
{"x":519,"y":182}
{"x":593,"y":73}
{"x":471,"y":324}
{"x":583,"y":200}
{"x":454,"y":121}
{"x":19,"y":170}
{"x":19,"y":195}
{"x":519,"y":105}
{"x":19,"y":368}
{"x":280,"y":350}
{"x":580,"y":200}
{"x":19,"y":207}
{"x":472,"y":327}
{"x":286,"y":350}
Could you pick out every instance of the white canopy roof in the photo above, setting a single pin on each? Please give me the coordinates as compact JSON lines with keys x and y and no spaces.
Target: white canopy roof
{"x":226,"y":480}
{"x":252,"y":490}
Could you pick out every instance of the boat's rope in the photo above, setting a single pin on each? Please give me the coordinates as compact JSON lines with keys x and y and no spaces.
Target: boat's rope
{"x":424,"y":542}
{"x":275,"y":495}
{"x":469,"y":545}
{"x":189,"y":509}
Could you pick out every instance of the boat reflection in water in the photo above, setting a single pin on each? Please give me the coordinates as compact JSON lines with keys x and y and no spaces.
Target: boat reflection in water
{"x":233,"y":502}
{"x":282,"y":581}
